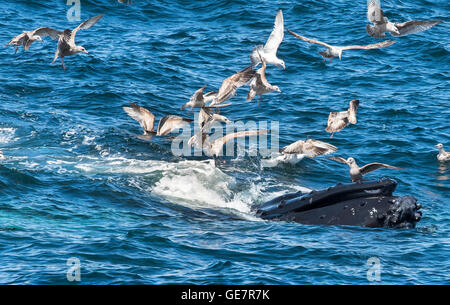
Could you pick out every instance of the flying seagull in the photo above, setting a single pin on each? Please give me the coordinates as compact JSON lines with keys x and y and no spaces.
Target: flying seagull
{"x":259,"y":84}
{"x":310,"y":148}
{"x":231,"y":84}
{"x":381,"y":24}
{"x":206,"y":120}
{"x":147,"y":120}
{"x":356,"y":172}
{"x":443,"y":155}
{"x":269,"y":51}
{"x":200,"y":99}
{"x":66,"y":40}
{"x":28,"y":37}
{"x":336,"y":51}
{"x":215,"y":148}
{"x":339,"y":120}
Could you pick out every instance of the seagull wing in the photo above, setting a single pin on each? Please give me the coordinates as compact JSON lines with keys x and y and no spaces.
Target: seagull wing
{"x":45,"y":31}
{"x":352,"y":110}
{"x":203,"y":117}
{"x":415,"y":26}
{"x":373,"y":166}
{"x":378,"y":45}
{"x":374,"y":12}
{"x":313,"y":148}
{"x":218,"y":144}
{"x":309,"y":40}
{"x":169,"y":123}
{"x":84,"y":26}
{"x":145,"y":118}
{"x":230,"y":84}
{"x":277,"y":35}
{"x":338,"y":159}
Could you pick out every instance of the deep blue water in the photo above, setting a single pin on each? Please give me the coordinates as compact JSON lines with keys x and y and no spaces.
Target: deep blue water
{"x":77,"y":182}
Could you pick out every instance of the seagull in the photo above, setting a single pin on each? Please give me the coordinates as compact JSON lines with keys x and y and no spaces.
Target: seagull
{"x":443,"y":155}
{"x":269,"y":51}
{"x":259,"y":84}
{"x":147,"y":120}
{"x":2,"y":157}
{"x":382,"y":25}
{"x":336,"y":51}
{"x":206,"y":120}
{"x":66,"y":40}
{"x":28,"y":37}
{"x":215,"y":148}
{"x":356,"y":173}
{"x":339,"y":120}
{"x":310,"y":148}
{"x":231,"y":84}
{"x":199,"y":99}
{"x":123,"y":1}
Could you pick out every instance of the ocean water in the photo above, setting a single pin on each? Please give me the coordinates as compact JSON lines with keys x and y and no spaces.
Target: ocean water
{"x":78,"y":183}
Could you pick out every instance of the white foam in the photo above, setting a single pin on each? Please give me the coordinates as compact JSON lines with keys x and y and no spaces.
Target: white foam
{"x":7,"y":135}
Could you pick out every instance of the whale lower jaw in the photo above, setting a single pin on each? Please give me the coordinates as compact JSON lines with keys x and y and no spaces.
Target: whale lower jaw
{"x":368,"y":204}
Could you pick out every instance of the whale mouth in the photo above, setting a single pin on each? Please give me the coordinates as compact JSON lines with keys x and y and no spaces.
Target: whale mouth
{"x":369,"y":204}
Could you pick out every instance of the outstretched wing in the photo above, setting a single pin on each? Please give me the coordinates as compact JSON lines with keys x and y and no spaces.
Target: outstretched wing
{"x":414,"y":26}
{"x":352,"y":110}
{"x":313,"y":148}
{"x":308,"y":39}
{"x":230,"y":84}
{"x":169,"y":123}
{"x":277,"y":35}
{"x":45,"y":31}
{"x":378,"y":45}
{"x":217,"y":145}
{"x":145,"y":118}
{"x":84,"y":26}
{"x":338,"y":159}
{"x":373,"y":166}
{"x":374,"y":12}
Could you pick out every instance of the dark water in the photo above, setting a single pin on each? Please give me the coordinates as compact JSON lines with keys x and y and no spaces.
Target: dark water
{"x":77,"y":182}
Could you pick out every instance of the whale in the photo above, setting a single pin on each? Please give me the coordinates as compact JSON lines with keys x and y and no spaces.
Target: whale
{"x":370,"y":204}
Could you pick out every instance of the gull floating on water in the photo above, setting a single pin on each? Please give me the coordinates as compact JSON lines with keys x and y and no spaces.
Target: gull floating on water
{"x":336,"y":51}
{"x":215,"y":148}
{"x":339,"y":120}
{"x":66,"y":40}
{"x":28,"y":37}
{"x":259,"y":84}
{"x":443,"y":155}
{"x":269,"y":51}
{"x":356,"y":172}
{"x":382,"y":25}
{"x":127,"y":1}
{"x":231,"y":84}
{"x":147,"y":120}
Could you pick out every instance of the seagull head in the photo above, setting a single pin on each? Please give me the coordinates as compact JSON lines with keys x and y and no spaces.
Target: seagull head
{"x":281,"y":64}
{"x":80,"y":49}
{"x":350,"y":161}
{"x":439,"y":146}
{"x":275,"y":88}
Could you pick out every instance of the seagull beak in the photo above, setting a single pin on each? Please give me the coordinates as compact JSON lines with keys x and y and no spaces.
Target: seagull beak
{"x":85,"y":52}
